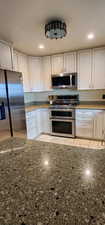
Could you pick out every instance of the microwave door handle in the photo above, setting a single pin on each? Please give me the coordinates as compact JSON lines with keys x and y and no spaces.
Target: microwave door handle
{"x":70,"y":79}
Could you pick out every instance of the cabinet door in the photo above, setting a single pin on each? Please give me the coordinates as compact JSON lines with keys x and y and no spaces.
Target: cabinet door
{"x":84,"y":123}
{"x":5,"y":56}
{"x":98,"y":76}
{"x":33,"y":121}
{"x":22,"y":67}
{"x":99,"y":125}
{"x":34,"y":65}
{"x":57,"y":64}
{"x":45,"y":122}
{"x":32,"y":126}
{"x":70,"y":62}
{"x":84,"y":69}
{"x":46,"y":72}
{"x":15,"y":61}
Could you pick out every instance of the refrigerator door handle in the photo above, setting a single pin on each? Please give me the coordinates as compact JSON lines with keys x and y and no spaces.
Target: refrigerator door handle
{"x":2,"y":111}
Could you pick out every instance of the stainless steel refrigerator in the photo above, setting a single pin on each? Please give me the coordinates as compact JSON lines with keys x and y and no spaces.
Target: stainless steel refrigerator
{"x":12,"y":110}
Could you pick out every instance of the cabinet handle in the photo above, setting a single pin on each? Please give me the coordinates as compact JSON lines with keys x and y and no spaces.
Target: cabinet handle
{"x":90,"y":85}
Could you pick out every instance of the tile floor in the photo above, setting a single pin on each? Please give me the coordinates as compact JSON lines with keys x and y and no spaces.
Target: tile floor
{"x":72,"y":142}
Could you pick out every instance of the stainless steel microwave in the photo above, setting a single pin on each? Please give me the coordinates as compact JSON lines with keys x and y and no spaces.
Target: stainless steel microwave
{"x":66,"y":80}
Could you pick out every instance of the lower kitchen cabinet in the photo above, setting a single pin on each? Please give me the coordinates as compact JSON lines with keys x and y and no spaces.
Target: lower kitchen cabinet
{"x":31,"y":122}
{"x":37,"y":122}
{"x":99,"y":125}
{"x":44,"y":121}
{"x":84,"y":123}
{"x":90,"y":123}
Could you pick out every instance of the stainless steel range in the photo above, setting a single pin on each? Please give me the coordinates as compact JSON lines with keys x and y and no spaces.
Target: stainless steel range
{"x":62,"y":114}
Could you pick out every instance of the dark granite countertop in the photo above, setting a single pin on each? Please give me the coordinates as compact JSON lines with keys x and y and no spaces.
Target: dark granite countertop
{"x":50,"y":184}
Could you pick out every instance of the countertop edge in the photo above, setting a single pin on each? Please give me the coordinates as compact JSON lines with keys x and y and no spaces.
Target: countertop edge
{"x":35,"y":107}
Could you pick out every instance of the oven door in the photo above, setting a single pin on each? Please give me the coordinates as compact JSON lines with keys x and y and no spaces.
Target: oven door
{"x":62,"y":113}
{"x":63,"y":127}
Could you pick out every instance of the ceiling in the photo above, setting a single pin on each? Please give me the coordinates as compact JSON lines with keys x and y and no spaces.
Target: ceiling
{"x":22,"y":23}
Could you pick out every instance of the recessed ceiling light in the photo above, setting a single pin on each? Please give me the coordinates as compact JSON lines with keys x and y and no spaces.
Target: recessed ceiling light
{"x":41,"y":46}
{"x":90,"y":36}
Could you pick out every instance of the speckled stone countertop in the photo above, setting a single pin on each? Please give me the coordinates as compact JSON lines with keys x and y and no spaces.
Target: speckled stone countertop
{"x":33,"y":107}
{"x":90,"y":106}
{"x":80,"y":106}
{"x":49,"y":184}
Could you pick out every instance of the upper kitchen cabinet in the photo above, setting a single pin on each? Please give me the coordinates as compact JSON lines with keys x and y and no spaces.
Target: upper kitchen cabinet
{"x":35,"y":73}
{"x":57,"y":63}
{"x":15,"y":61}
{"x":84,"y":69}
{"x":46,"y":72}
{"x":20,"y":65}
{"x":98,"y":73}
{"x":70,"y":62}
{"x":5,"y":56}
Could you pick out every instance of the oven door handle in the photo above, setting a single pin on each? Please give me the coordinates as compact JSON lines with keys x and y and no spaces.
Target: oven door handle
{"x":61,"y":120}
{"x":63,"y":110}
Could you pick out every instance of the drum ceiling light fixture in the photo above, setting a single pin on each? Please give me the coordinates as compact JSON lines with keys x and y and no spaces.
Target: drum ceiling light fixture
{"x":55,"y":29}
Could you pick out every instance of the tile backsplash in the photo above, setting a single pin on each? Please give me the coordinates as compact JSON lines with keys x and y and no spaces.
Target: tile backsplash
{"x":84,"y":95}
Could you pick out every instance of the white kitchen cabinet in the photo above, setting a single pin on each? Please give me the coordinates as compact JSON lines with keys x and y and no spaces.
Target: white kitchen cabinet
{"x":45,"y":121}
{"x":90,"y":123}
{"x":5,"y":56}
{"x":57,"y":62}
{"x":84,"y":123}
{"x":99,"y":125}
{"x":15,"y":61}
{"x":35,"y":73}
{"x":37,"y":122}
{"x":84,"y":69}
{"x":70,"y":62}
{"x":20,"y":65}
{"x":32,"y":125}
{"x":23,"y":68}
{"x":46,"y":72}
{"x":98,"y":73}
